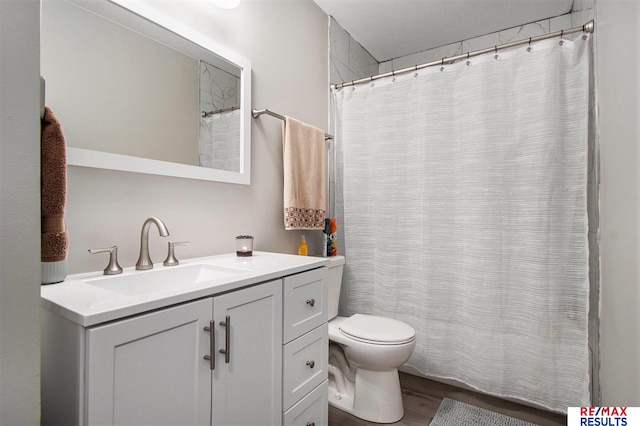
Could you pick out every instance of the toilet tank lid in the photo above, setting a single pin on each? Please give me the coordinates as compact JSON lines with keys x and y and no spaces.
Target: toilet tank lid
{"x":336,"y":260}
{"x":377,"y":329}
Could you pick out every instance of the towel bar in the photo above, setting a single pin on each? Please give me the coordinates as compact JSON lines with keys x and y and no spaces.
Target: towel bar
{"x":255,"y":113}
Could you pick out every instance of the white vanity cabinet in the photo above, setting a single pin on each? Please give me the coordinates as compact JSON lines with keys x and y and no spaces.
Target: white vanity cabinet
{"x":150,"y":368}
{"x":210,"y":352}
{"x":305,"y":349}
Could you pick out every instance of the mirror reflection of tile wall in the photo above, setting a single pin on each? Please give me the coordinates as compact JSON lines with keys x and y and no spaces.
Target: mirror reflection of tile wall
{"x":220,"y":129}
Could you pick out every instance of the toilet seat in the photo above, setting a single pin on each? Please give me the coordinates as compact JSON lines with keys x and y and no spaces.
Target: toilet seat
{"x":377,"y":330}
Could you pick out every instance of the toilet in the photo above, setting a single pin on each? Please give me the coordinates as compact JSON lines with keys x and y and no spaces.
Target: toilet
{"x":365,"y":352}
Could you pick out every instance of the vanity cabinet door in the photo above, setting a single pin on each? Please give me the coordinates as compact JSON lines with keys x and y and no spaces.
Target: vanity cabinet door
{"x":247,"y":387}
{"x":149,"y":369}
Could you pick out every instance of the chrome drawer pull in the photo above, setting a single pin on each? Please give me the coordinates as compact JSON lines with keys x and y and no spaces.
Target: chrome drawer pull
{"x":311,"y":302}
{"x":211,"y":358}
{"x":311,"y":364}
{"x":227,"y":339}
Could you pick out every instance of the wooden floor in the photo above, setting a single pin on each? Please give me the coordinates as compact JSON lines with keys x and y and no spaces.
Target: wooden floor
{"x":422,"y":397}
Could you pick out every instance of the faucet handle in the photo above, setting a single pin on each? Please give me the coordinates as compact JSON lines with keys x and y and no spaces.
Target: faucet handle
{"x":113,"y":268}
{"x":171,"y":257}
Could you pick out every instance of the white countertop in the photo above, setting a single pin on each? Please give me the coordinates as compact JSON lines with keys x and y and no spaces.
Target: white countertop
{"x":86,"y":304}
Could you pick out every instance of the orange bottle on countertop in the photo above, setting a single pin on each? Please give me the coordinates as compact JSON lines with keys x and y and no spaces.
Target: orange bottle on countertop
{"x":302,"y":247}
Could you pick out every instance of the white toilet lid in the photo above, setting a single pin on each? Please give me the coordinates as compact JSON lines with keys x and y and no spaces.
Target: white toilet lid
{"x":377,"y":329}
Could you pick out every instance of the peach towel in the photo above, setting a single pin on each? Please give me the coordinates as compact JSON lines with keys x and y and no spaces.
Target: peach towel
{"x":305,"y":175}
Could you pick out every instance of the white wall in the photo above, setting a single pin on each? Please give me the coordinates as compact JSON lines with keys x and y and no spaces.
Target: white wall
{"x":618,"y":38}
{"x":286,"y":42}
{"x":19,"y":212}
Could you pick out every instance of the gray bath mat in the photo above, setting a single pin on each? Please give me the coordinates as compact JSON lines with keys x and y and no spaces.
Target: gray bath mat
{"x":456,"y":413}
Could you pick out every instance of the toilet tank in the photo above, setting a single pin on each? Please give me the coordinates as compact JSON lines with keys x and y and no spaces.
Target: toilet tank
{"x":336,"y":266}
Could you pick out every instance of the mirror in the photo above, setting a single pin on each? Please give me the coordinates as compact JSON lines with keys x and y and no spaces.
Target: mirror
{"x":137,"y":91}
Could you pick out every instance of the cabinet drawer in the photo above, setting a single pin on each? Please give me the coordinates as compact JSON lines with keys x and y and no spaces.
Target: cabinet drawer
{"x":312,"y":410}
{"x":305,"y":302}
{"x":305,"y":363}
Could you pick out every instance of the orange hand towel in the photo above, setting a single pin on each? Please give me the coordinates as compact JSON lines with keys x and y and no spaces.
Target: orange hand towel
{"x":305,"y":175}
{"x":53,"y":170}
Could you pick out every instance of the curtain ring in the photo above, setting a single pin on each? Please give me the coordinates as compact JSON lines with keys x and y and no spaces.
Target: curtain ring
{"x":561,"y":33}
{"x":442,"y":62}
{"x":467,"y":55}
{"x":529,"y":41}
{"x":496,"y":48}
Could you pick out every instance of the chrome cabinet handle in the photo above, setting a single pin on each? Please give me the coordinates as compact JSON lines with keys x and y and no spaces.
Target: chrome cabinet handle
{"x":311,"y":364}
{"x":311,"y":302}
{"x":227,"y":339}
{"x":211,"y":358}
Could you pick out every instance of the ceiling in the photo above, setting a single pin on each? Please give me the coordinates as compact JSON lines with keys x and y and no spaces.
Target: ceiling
{"x":392,"y":28}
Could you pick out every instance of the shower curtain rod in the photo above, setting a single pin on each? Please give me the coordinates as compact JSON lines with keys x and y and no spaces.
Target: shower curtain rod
{"x":587,"y":28}
{"x":255,"y":113}
{"x":206,"y":114}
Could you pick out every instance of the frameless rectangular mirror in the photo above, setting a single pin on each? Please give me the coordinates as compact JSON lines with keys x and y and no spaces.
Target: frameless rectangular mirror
{"x":137,"y":91}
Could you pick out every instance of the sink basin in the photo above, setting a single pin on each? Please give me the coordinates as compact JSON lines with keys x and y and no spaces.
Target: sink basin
{"x":137,"y":283}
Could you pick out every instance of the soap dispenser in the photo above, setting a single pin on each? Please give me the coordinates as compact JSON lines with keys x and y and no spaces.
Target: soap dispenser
{"x":302,"y":247}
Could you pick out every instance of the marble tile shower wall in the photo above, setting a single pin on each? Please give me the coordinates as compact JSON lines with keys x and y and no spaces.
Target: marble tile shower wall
{"x":350,"y":61}
{"x":582,"y":12}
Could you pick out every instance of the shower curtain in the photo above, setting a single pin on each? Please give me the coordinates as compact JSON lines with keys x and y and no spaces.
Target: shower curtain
{"x":462,"y":193}
{"x":218,"y":144}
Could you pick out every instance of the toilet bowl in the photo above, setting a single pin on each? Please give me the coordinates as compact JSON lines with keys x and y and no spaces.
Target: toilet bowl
{"x":365,"y":352}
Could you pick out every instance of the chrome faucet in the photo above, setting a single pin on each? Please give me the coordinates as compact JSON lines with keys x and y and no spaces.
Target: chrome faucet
{"x":144,"y":261}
